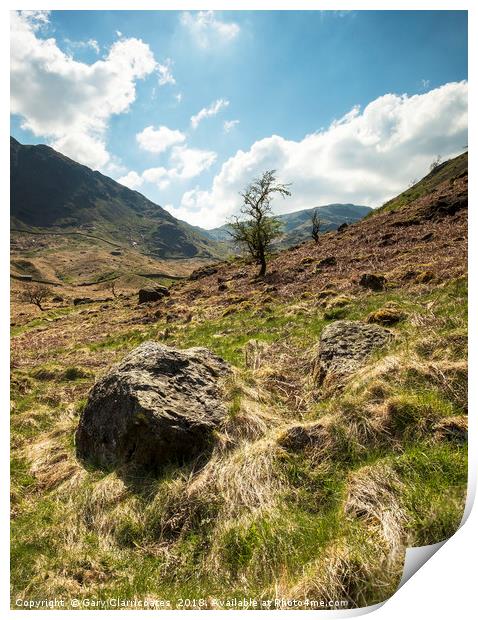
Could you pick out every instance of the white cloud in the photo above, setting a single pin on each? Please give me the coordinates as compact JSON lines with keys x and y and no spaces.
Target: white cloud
{"x":70,"y":102}
{"x":92,"y":43}
{"x":157,"y":176}
{"x":211,"y":110}
{"x":208,"y":30}
{"x":159,"y":140}
{"x":188,"y":163}
{"x":132,"y":180}
{"x":364,"y":157}
{"x":228,"y":125}
{"x":184,"y":164}
{"x":178,"y":97}
{"x":165,"y":73}
{"x":36,"y":19}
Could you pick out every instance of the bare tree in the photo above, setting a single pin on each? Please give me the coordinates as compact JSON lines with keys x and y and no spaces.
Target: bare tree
{"x":35,"y":294}
{"x":259,"y":228}
{"x":435,"y":163}
{"x":112,"y":288}
{"x":316,"y":225}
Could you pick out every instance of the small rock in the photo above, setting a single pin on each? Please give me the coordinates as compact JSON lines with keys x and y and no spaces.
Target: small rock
{"x":202,"y":272}
{"x":342,"y":227}
{"x":78,"y":301}
{"x":372,"y":281}
{"x":328,"y":261}
{"x":146,"y":295}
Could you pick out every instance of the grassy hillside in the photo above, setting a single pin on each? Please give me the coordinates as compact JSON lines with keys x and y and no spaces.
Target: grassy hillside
{"x":446,"y":172}
{"x":310,"y":493}
{"x":50,"y":192}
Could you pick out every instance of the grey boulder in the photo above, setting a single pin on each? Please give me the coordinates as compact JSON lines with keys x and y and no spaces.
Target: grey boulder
{"x":158,"y":405}
{"x":345,"y":346}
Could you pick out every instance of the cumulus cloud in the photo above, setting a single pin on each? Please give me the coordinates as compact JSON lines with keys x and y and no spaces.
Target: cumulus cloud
{"x":207,"y":29}
{"x":184,"y":163}
{"x":365,"y":157}
{"x":132,"y":180}
{"x":157,"y":176}
{"x":188,"y":163}
{"x":70,"y":102}
{"x":211,"y":110}
{"x":228,"y":125}
{"x":159,"y":140}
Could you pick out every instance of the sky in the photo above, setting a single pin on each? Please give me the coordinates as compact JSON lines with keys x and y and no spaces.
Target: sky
{"x":188,"y":107}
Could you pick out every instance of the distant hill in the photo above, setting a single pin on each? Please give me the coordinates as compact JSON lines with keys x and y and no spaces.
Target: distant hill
{"x":52,"y":192}
{"x":297,"y":226}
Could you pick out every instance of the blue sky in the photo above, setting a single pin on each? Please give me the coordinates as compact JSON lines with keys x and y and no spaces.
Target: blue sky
{"x":342,"y":89}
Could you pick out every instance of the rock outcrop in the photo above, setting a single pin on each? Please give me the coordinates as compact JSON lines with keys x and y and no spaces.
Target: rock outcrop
{"x":153,"y":293}
{"x":345,"y":346}
{"x":158,"y":405}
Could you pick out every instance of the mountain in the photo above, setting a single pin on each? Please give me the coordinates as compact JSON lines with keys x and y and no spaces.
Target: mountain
{"x":52,"y":192}
{"x":297,"y":226}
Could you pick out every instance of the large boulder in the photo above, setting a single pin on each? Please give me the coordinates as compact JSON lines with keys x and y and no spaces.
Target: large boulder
{"x":152,"y":293}
{"x":345,"y":346}
{"x":158,"y":405}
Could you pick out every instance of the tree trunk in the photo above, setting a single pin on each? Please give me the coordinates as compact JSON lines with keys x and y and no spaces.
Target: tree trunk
{"x":263,"y":264}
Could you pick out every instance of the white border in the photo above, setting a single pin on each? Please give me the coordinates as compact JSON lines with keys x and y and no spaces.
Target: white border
{"x":446,"y":586}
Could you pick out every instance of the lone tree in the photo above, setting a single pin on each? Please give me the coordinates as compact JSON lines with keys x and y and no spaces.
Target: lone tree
{"x":259,"y":228}
{"x":112,"y":288}
{"x":316,"y":224}
{"x":435,"y":163}
{"x":35,"y":294}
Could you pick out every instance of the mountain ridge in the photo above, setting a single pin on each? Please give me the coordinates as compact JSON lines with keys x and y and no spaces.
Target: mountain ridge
{"x":50,"y":190}
{"x":296,"y":225}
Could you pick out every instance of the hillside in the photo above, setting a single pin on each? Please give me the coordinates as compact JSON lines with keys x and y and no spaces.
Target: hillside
{"x":52,"y":193}
{"x":447,"y":171}
{"x":322,"y":472}
{"x":296,"y":227}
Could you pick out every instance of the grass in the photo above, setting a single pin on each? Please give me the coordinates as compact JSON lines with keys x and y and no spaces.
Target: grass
{"x":260,"y":519}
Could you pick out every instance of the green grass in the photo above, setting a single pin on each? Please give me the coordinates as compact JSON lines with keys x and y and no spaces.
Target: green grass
{"x":107,"y":537}
{"x":435,"y":480}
